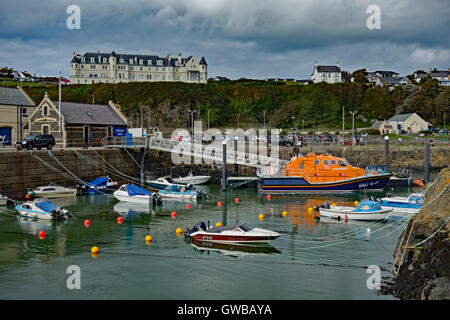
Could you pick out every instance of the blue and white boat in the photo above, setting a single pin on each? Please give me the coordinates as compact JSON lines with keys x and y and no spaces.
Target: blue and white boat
{"x":180,"y":192}
{"x":102,"y":184}
{"x":411,"y":204}
{"x":42,"y":208}
{"x":162,"y":183}
{"x":135,"y":194}
{"x":365,"y":211}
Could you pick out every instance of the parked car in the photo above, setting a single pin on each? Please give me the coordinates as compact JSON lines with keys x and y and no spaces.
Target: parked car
{"x":38,"y":141}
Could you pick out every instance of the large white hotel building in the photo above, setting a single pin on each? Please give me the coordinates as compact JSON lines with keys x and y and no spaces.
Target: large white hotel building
{"x":115,"y":68}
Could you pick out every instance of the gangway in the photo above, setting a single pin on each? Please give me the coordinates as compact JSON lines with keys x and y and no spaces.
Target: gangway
{"x":208,"y":153}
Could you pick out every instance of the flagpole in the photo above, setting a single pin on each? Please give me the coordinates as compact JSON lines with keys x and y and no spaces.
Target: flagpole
{"x":59,"y":102}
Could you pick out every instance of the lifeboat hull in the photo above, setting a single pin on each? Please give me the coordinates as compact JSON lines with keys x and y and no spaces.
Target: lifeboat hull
{"x":291,"y":184}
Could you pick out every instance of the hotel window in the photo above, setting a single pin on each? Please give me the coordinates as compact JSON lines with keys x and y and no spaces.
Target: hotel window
{"x":149,"y":62}
{"x":105,"y":60}
{"x":131,"y":68}
{"x":159,"y":62}
{"x":121,"y":60}
{"x":92,"y":66}
{"x":140,"y":68}
{"x":92,"y":59}
{"x":83,"y":59}
{"x":131,"y":61}
{"x":141,"y":61}
{"x":149,"y":77}
{"x":164,"y":77}
{"x":141,"y":77}
{"x":164,"y":69}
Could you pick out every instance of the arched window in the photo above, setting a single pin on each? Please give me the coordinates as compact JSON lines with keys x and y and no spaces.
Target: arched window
{"x":45,"y":111}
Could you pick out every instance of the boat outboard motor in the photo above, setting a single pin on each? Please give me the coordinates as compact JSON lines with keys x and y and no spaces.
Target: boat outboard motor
{"x":202,"y":225}
{"x":325,"y":205}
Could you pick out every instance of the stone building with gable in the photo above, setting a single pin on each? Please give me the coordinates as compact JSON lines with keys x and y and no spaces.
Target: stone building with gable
{"x":77,"y":124}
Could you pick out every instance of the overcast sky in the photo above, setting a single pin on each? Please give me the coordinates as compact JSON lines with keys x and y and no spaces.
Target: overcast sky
{"x":238,"y":38}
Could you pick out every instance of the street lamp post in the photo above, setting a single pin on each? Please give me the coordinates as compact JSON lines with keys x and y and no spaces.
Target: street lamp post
{"x":192,"y":123}
{"x":353,"y":126}
{"x":264,"y":118}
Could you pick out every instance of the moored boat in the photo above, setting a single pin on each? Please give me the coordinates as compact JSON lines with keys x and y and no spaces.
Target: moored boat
{"x":181,"y":192}
{"x":42,"y":208}
{"x":3,"y":200}
{"x":321,"y":173}
{"x":133,"y":193}
{"x":242,"y":233}
{"x":102,"y":184}
{"x":364,"y":211}
{"x":161,"y":183}
{"x":53,"y":191}
{"x":191,"y":179}
{"x":411,"y":204}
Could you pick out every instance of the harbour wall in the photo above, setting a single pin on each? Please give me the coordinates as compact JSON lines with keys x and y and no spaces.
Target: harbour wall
{"x":21,"y":170}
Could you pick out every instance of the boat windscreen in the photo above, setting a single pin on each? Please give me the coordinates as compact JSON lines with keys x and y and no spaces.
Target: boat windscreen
{"x":245,"y":227}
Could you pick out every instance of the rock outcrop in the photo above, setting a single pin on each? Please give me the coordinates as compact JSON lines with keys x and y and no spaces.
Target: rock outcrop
{"x":424,"y":270}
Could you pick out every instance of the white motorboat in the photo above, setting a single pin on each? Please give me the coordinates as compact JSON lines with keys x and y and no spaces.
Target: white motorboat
{"x":42,"y":208}
{"x":53,"y":191}
{"x":411,"y":204}
{"x":3,"y":200}
{"x":100,"y":184}
{"x":133,"y":193}
{"x":191,"y":179}
{"x":181,"y":192}
{"x":365,"y":211}
{"x":231,"y":234}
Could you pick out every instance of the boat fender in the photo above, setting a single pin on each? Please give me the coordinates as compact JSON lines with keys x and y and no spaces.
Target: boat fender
{"x":325,"y":205}
{"x":100,"y":140}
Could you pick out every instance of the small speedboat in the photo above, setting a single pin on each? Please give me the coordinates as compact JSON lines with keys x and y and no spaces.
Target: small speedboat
{"x":191,"y":179}
{"x":231,"y":234}
{"x":181,"y":192}
{"x":42,"y":209}
{"x":53,"y":191}
{"x":102,"y":184}
{"x":3,"y":200}
{"x":411,"y":204}
{"x":364,"y":211}
{"x":133,"y":193}
{"x":162,"y":183}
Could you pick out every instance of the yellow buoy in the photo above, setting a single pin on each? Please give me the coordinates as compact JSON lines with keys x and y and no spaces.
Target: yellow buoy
{"x":333,"y":204}
{"x":310,"y":209}
{"x":94,"y":250}
{"x":218,"y":224}
{"x":284,"y":213}
{"x":356,"y":203}
{"x":179,"y":231}
{"x":261,"y":216}
{"x":148,"y":239}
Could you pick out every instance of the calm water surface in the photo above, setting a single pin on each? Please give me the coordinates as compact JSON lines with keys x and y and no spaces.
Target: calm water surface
{"x":312,"y":260}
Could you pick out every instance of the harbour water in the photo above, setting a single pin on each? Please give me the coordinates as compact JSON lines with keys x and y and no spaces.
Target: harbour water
{"x":312,"y":259}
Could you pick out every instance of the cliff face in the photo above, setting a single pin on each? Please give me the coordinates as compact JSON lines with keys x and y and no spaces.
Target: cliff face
{"x":424,"y":271}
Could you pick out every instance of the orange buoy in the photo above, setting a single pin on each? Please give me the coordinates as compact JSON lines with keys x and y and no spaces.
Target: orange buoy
{"x":219,"y":204}
{"x":188,"y":206}
{"x":119,"y":220}
{"x":236,"y":200}
{"x":94,"y":250}
{"x":173,"y":214}
{"x":28,"y":197}
{"x":87,"y":223}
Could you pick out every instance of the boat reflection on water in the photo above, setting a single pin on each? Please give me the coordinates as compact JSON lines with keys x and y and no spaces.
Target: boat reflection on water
{"x":233,"y":250}
{"x":128,"y":209}
{"x":34,"y":226}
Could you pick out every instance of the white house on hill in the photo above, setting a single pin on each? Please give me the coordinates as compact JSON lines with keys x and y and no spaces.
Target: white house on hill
{"x":328,"y":74}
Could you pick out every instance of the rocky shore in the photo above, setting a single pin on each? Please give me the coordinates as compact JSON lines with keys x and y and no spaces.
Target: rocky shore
{"x":423,"y":271}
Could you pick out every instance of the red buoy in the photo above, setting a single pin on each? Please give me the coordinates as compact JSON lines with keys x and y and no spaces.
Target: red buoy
{"x":219,"y":204}
{"x":236,"y":200}
{"x":269,"y":196}
{"x":119,"y":220}
{"x":41,"y":234}
{"x":87,"y":223}
{"x":188,"y":206}
{"x":173,"y":214}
